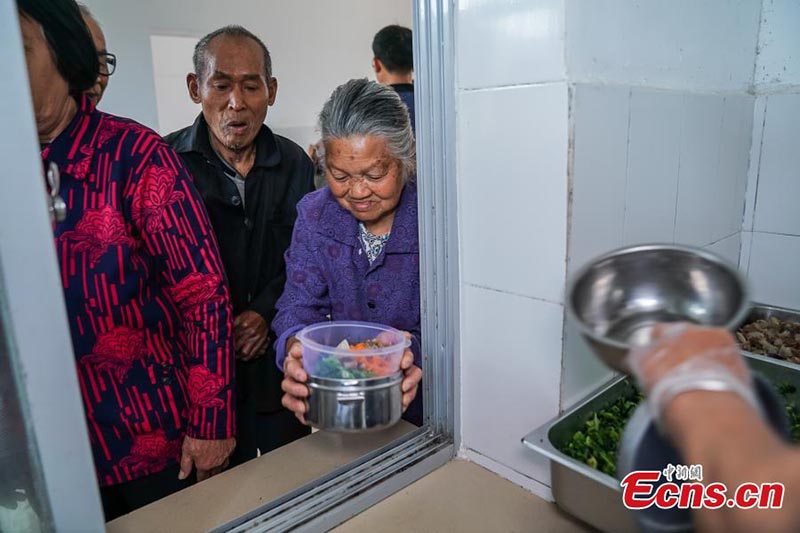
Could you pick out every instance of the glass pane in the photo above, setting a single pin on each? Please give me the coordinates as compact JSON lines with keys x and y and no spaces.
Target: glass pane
{"x":261,"y":427}
{"x":22,"y":498}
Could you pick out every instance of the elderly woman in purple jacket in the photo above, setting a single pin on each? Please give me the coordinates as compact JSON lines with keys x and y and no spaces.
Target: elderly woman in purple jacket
{"x":354,"y":253}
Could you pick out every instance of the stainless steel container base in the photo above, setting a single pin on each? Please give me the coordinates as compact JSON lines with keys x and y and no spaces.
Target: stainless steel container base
{"x":354,"y":405}
{"x":581,"y":491}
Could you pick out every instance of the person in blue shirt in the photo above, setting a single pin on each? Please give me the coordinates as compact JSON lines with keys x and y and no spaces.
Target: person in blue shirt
{"x":394,"y":63}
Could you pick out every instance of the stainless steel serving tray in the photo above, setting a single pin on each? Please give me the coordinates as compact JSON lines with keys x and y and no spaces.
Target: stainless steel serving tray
{"x":588,"y":494}
{"x":762,"y":311}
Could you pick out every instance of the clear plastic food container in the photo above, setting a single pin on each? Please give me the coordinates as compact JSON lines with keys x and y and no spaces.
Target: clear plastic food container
{"x":354,"y":375}
{"x":352,"y":350}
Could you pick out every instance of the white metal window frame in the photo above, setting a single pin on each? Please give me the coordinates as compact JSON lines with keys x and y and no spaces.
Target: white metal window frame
{"x":39,"y":328}
{"x":40,"y":352}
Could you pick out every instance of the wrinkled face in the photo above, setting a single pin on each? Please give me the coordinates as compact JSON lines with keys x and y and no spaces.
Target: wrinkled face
{"x":100,"y":84}
{"x":49,"y":91}
{"x":234,"y":91}
{"x":364,"y":177}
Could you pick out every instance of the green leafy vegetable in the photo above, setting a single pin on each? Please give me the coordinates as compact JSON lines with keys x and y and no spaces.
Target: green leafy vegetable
{"x":597,"y":442}
{"x":789,"y":394}
{"x":331,"y":367}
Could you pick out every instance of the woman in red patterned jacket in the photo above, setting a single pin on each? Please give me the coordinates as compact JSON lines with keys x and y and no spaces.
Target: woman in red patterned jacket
{"x":147,"y":301}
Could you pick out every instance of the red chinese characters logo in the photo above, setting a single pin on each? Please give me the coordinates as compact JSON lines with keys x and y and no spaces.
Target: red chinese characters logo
{"x":204,"y":386}
{"x":96,"y":231}
{"x":156,"y":194}
{"x":116,"y":351}
{"x":151,"y":453}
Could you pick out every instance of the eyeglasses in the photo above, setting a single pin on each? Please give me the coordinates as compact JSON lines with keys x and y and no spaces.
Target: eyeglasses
{"x":108,"y":63}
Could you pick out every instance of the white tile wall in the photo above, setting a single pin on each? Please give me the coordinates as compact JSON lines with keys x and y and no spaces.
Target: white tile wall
{"x":770,"y":254}
{"x":660,"y":136}
{"x":653,"y":149}
{"x":512,"y":168}
{"x":663,"y":44}
{"x":629,"y":146}
{"x":778,"y":61}
{"x":774,"y":268}
{"x":759,"y":114}
{"x":510,"y":375}
{"x":779,"y":177}
{"x":744,"y":253}
{"x":513,"y":196}
{"x":600,"y":121}
{"x":583,"y":371}
{"x":698,"y":187}
{"x":600,"y":118}
{"x":510,"y":42}
{"x":729,"y":248}
{"x":734,"y":159}
{"x":715,"y":147}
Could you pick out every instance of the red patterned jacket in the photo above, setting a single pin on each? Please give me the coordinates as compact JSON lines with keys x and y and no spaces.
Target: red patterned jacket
{"x":148,"y":305}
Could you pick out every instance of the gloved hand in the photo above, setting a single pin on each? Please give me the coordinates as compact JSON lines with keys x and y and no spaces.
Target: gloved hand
{"x":684,"y":357}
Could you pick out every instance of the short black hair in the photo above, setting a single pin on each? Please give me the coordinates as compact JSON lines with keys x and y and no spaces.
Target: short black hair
{"x":68,"y":38}
{"x":393,"y":46}
{"x":200,"y":58}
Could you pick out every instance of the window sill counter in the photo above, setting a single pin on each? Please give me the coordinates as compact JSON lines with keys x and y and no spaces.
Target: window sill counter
{"x":464,"y":497}
{"x":241,"y":490}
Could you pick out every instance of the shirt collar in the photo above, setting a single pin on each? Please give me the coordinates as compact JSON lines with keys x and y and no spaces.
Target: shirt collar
{"x":81,"y":125}
{"x":267,"y":153}
{"x":403,"y":87}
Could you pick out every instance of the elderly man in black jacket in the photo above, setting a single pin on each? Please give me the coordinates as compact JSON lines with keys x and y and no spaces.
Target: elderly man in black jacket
{"x":250,"y":179}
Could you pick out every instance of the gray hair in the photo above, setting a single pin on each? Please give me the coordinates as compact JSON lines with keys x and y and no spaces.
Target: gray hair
{"x":361,"y":108}
{"x":200,"y":57}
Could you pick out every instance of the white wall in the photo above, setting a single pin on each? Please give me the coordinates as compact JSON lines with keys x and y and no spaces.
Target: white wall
{"x":315,"y":45}
{"x":637,"y":117}
{"x":661,"y":129}
{"x":771,"y":238}
{"x":679,"y":44}
{"x":512,"y":169}
{"x":171,"y":57}
{"x":778,"y":60}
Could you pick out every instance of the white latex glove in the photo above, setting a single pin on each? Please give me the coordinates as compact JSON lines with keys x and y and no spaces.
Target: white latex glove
{"x":684,"y":357}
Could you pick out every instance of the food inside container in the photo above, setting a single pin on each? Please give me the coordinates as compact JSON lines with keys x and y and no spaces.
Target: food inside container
{"x":358,"y":367}
{"x":354,"y":375}
{"x":597,"y":442}
{"x":771,"y":336}
{"x":352,"y":350}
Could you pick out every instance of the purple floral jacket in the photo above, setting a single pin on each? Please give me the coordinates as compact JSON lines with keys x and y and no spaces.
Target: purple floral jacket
{"x":328,"y":273}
